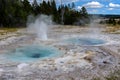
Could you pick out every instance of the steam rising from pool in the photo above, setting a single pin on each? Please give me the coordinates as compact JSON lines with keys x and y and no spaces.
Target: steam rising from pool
{"x":85,"y":41}
{"x":39,"y":25}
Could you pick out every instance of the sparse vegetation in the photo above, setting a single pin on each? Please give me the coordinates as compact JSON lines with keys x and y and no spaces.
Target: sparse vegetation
{"x":112,"y":29}
{"x":6,"y":31}
{"x":112,"y":76}
{"x":111,"y":21}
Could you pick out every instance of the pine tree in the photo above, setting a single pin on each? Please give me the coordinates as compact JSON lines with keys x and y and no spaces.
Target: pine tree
{"x":2,"y":12}
{"x":54,"y":10}
{"x":35,"y":4}
{"x":26,"y":6}
{"x":83,"y":12}
{"x":15,"y":12}
{"x":73,"y":5}
{"x":35,"y":7}
{"x":53,"y":6}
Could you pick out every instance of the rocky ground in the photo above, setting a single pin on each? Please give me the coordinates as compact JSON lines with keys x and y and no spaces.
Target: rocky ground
{"x":77,"y":63}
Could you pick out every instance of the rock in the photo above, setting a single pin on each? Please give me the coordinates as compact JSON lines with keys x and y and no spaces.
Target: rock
{"x":22,"y":65}
{"x":1,"y":71}
{"x":89,"y":55}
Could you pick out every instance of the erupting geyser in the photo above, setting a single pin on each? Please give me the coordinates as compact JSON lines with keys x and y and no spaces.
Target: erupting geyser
{"x":42,"y":31}
{"x":39,"y":26}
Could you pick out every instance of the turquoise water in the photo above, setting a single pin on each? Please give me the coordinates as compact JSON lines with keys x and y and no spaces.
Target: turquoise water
{"x":32,"y":53}
{"x":85,"y":41}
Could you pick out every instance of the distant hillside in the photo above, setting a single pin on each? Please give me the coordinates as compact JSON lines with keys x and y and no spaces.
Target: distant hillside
{"x":106,"y":15}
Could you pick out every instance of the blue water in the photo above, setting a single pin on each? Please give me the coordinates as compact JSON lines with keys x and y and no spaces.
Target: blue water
{"x":32,"y":53}
{"x":85,"y":41}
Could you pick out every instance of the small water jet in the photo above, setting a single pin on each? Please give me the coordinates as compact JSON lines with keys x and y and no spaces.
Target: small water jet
{"x":39,"y":26}
{"x":32,"y":52}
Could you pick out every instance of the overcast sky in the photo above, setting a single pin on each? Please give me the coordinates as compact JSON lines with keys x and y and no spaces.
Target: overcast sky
{"x":94,"y":6}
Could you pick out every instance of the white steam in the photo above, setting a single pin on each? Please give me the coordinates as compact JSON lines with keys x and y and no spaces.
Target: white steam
{"x":39,"y":26}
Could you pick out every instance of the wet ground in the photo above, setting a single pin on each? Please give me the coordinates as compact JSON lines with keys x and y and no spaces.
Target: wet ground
{"x":77,"y":62}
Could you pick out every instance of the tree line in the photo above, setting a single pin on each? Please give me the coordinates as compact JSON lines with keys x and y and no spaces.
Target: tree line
{"x":111,"y":21}
{"x":15,"y":12}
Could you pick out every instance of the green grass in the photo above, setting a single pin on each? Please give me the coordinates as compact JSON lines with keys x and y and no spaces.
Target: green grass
{"x":4,"y":31}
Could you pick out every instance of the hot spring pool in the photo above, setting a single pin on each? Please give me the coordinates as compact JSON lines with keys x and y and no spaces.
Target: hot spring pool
{"x":85,"y":41}
{"x":31,"y":53}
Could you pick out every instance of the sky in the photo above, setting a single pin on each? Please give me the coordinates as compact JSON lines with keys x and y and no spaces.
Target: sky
{"x":94,"y":6}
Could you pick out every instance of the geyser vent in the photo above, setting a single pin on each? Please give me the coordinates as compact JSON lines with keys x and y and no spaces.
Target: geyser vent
{"x":32,"y":52}
{"x":85,"y":41}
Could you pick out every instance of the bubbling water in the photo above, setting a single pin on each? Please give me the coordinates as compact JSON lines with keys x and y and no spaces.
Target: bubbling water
{"x":85,"y":41}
